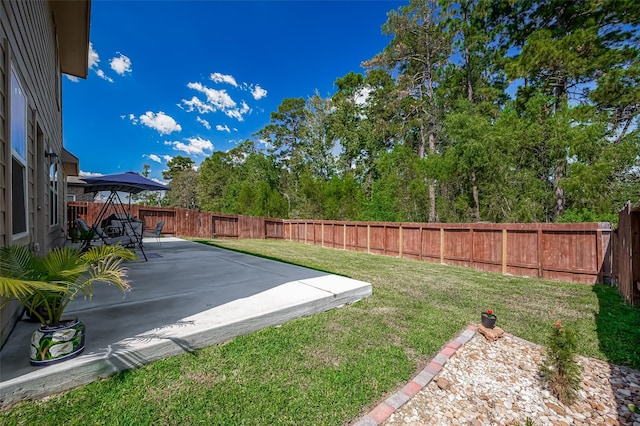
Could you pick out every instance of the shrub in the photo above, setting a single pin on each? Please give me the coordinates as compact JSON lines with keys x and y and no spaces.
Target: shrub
{"x":559,"y":370}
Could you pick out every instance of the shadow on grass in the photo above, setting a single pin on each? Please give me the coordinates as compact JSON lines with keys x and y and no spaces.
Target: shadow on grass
{"x":618,"y":330}
{"x":276,"y":259}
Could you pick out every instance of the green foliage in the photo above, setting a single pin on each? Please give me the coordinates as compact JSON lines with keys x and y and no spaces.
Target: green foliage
{"x":475,"y":111}
{"x":528,"y":422}
{"x":585,"y":215}
{"x":177,"y":165}
{"x":45,"y":286}
{"x":559,"y":370}
{"x":183,"y":192}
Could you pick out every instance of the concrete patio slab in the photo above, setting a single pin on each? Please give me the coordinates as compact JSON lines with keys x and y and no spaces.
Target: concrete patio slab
{"x":187,"y":296}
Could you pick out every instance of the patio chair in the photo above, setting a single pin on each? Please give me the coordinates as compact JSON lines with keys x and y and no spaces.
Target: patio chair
{"x":125,"y":227}
{"x":124,"y":240}
{"x":129,"y":239}
{"x":86,"y":232}
{"x":155,"y":233}
{"x":96,"y":230}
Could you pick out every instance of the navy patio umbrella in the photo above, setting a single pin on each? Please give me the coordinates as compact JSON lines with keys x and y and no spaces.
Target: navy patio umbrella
{"x":130,"y":182}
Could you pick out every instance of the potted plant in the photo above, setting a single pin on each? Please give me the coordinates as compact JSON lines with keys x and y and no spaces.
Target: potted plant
{"x":46,"y":285}
{"x":488,"y":319}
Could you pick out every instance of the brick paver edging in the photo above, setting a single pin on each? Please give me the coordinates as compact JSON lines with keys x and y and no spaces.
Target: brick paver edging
{"x":382,"y":412}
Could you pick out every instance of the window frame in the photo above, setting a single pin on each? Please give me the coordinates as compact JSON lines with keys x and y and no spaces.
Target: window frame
{"x":54,"y":194}
{"x":16,"y":155}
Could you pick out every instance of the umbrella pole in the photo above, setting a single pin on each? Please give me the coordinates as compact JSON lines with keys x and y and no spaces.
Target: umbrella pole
{"x":128,"y":219}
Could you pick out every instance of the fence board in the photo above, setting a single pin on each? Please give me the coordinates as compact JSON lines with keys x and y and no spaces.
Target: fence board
{"x":487,"y":249}
{"x":627,"y":238}
{"x":578,"y":252}
{"x":569,"y":252}
{"x":412,"y":241}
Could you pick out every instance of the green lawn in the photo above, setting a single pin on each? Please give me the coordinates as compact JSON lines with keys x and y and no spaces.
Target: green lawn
{"x":333,"y":367}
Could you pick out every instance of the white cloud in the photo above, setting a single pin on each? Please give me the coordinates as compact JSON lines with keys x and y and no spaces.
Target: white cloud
{"x":153,"y":157}
{"x":161,"y":182}
{"x":161,"y":122}
{"x":222,"y":78}
{"x":196,"y":146}
{"x":238,"y":113}
{"x":103,"y":76}
{"x":265,"y":143}
{"x":94,"y":61}
{"x":94,"y":58}
{"x":121,"y":64}
{"x":72,"y":78}
{"x":89,"y":174}
{"x":167,"y":158}
{"x":258,"y":92}
{"x":362,"y":96}
{"x":204,"y":122}
{"x":196,"y":103}
{"x":222,"y":128}
{"x":219,"y":99}
{"x":131,"y":117}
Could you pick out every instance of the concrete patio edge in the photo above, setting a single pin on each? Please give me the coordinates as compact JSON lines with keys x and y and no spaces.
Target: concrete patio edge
{"x":277,"y":305}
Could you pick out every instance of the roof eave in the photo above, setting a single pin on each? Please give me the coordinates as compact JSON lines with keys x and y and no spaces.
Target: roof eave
{"x":72,"y":21}
{"x":70,"y":163}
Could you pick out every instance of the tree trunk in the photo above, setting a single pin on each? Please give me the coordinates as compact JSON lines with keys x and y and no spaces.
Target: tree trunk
{"x":476,"y":198}
{"x":467,"y":55}
{"x":422,"y":142}
{"x":433,"y":216}
{"x":467,"y":59}
{"x":558,"y":174}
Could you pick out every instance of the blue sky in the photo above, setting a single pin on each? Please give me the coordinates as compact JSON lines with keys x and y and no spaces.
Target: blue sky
{"x":189,"y":78}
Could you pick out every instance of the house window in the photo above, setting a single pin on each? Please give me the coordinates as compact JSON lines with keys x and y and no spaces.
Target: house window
{"x":53,"y":194}
{"x":18,"y":142}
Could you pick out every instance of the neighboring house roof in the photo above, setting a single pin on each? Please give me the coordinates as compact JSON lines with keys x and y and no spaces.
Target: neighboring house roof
{"x":72,"y":20}
{"x":75,"y":180}
{"x":70,"y":163}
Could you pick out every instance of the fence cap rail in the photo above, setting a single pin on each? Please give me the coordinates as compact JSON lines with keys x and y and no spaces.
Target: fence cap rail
{"x":558,"y":227}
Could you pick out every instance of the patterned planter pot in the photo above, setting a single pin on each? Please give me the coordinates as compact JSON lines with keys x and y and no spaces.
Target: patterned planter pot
{"x":488,"y":321}
{"x":50,"y":345}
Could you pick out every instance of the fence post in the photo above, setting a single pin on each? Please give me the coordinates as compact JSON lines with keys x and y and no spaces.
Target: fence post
{"x":441,"y":245}
{"x":368,"y":238}
{"x":599,"y":257}
{"x":322,"y":234}
{"x":344,"y":236}
{"x":471,"y":236}
{"x":504,"y":251}
{"x":420,"y":235}
{"x":400,"y":240}
{"x":540,"y":253}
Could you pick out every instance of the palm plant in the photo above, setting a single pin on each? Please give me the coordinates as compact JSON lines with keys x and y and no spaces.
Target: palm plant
{"x":46,"y":285}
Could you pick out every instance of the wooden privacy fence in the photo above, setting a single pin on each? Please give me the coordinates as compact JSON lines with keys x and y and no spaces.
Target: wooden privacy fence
{"x":184,"y":222}
{"x":246,"y":227}
{"x":626,"y":252}
{"x":577,"y":252}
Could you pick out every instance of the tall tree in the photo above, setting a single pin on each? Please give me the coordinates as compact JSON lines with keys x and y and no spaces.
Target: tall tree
{"x":352,"y":127}
{"x":183,"y":190}
{"x":318,"y":151}
{"x":582,"y":52}
{"x":419,"y":53}
{"x":183,"y":182}
{"x":177,"y":165}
